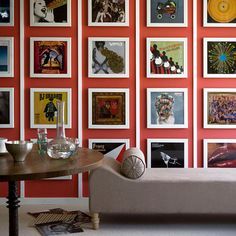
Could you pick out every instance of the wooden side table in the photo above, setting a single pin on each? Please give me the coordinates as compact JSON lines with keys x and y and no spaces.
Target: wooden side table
{"x":38,"y":167}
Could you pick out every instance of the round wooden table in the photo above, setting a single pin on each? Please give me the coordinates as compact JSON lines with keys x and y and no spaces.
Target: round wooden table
{"x":38,"y":167}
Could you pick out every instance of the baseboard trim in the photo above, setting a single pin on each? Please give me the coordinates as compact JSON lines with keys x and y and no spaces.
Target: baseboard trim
{"x":47,"y":201}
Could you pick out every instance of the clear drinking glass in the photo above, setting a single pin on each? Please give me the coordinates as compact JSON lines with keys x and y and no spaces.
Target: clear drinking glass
{"x":42,"y":140}
{"x":61,"y":146}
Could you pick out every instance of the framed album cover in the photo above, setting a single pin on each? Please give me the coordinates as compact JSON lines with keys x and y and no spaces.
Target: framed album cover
{"x":219,"y":153}
{"x":108,"y":57}
{"x":43,"y":111}
{"x":108,"y":13}
{"x":112,"y":148}
{"x":50,"y":13}
{"x":50,"y":57}
{"x":167,"y":108}
{"x":167,"y":58}
{"x":167,"y":13}
{"x":6,"y":13}
{"x":108,"y":108}
{"x":219,"y":13}
{"x":6,"y":107}
{"x":167,"y":153}
{"x":6,"y":57}
{"x":220,"y":108}
{"x":219,"y":57}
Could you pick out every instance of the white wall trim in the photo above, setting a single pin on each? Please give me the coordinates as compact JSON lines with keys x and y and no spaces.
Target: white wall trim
{"x":22,"y":84}
{"x":137,"y":43}
{"x":195,"y":74}
{"x":80,"y":89}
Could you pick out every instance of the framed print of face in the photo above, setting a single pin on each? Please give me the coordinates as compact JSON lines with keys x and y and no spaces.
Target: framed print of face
{"x":167,"y":108}
{"x":219,"y":153}
{"x":219,"y":13}
{"x":220,"y":108}
{"x":108,"y":108}
{"x":108,"y":13}
{"x":112,"y":148}
{"x":6,"y":107}
{"x":167,"y":58}
{"x":219,"y":57}
{"x":167,"y":153}
{"x":6,"y":57}
{"x":50,"y":13}
{"x":108,"y":57}
{"x":7,"y":13}
{"x":50,"y":57}
{"x":43,"y":111}
{"x":167,"y":13}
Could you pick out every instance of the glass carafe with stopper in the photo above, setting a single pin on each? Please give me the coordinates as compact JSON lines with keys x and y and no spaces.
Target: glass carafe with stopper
{"x":61,"y":146}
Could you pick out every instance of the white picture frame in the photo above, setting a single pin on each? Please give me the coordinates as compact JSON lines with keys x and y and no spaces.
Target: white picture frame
{"x":119,"y":46}
{"x":161,"y":147}
{"x":64,"y":93}
{"x":219,"y":154}
{"x":162,"y":66}
{"x":7,"y":110}
{"x":7,"y":56}
{"x":37,"y":51}
{"x":121,"y":119}
{"x":213,"y":121}
{"x":150,"y":17}
{"x":206,"y":19}
{"x":98,"y":21}
{"x":114,"y":152}
{"x":4,"y":13}
{"x":207,"y":54}
{"x":50,"y":17}
{"x":178,"y":110}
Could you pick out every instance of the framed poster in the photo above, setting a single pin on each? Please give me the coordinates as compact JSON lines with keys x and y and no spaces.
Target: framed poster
{"x":50,"y":13}
{"x":219,"y":13}
{"x":108,"y":108}
{"x":108,"y":13}
{"x":167,"y":13}
{"x":167,"y":108}
{"x":219,"y":153}
{"x":219,"y":57}
{"x":167,"y":153}
{"x":220,"y":108}
{"x":6,"y":107}
{"x":6,"y":57}
{"x":167,"y":58}
{"x":7,"y":13}
{"x":108,"y":57}
{"x":50,"y":57}
{"x":43,"y":111}
{"x":112,"y":148}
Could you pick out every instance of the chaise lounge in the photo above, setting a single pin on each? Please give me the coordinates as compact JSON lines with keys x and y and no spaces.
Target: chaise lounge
{"x":161,"y":191}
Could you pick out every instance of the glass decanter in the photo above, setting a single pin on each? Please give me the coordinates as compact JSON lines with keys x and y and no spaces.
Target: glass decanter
{"x":61,"y":146}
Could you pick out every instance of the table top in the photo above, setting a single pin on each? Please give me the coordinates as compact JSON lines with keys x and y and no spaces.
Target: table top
{"x":38,"y":166}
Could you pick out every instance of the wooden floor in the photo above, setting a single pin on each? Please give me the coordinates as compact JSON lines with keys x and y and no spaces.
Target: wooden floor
{"x":128,"y":225}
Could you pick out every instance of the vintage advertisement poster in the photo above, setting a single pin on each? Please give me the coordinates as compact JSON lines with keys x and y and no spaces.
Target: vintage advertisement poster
{"x":5,"y":12}
{"x":44,"y":107}
{"x":50,"y":57}
{"x":4,"y":107}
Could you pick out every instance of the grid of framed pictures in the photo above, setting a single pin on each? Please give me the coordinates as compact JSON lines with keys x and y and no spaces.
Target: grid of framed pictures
{"x":7,"y":13}
{"x":167,"y":153}
{"x":111,"y":148}
{"x":219,"y":153}
{"x":163,"y":13}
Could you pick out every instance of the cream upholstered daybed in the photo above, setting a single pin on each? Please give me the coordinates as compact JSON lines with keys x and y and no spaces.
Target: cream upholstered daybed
{"x":161,"y":191}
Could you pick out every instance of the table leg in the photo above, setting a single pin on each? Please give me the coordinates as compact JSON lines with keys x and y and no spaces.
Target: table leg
{"x":13,"y":208}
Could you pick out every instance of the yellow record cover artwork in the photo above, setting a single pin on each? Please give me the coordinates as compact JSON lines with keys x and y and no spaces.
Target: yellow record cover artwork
{"x":45,"y":107}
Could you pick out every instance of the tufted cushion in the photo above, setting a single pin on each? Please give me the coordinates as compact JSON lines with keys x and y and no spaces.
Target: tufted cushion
{"x":133,"y":164}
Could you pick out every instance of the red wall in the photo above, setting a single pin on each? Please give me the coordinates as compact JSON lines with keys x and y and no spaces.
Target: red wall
{"x":70,"y":188}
